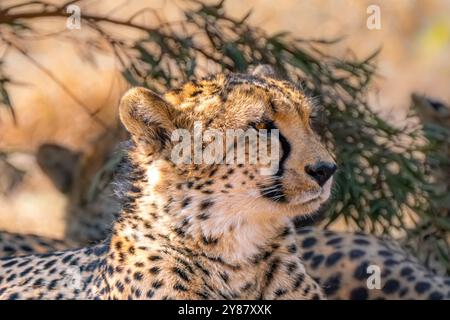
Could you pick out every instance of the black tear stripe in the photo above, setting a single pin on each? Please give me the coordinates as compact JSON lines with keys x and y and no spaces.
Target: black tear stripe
{"x":276,"y":192}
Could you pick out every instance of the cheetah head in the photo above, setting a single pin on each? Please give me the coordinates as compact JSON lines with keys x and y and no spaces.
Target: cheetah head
{"x":298,"y":180}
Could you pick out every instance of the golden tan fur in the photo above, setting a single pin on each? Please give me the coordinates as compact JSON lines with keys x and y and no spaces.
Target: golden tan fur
{"x":198,"y":230}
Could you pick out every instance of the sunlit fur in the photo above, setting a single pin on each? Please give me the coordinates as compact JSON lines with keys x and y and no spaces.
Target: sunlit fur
{"x":198,"y":231}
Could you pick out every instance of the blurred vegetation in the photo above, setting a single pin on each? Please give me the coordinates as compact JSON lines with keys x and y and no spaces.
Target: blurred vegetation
{"x":383,"y":177}
{"x":431,"y":233}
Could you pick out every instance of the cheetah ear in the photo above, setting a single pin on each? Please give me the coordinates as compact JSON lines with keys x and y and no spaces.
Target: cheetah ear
{"x":147,"y":117}
{"x":265,"y":70}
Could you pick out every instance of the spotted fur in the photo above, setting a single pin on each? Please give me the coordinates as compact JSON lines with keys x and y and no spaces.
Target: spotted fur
{"x":13,"y":244}
{"x":340,"y":262}
{"x":196,"y":231}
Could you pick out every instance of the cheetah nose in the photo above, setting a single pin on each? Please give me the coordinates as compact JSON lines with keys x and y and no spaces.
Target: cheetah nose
{"x":321,"y":171}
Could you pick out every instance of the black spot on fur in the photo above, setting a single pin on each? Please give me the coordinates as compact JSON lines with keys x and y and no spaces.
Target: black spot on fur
{"x":181,"y":273}
{"x":49,"y":264}
{"x":203,"y":216}
{"x":422,"y":287}
{"x":38,"y":282}
{"x":385,"y":253}
{"x":26,"y":248}
{"x":25,"y":272}
{"x":202,"y":268}
{"x":307,"y":255}
{"x":391,"y":262}
{"x":202,"y":294}
{"x":157,"y":284}
{"x":332,"y":284}
{"x":261,"y":256}
{"x":406,"y":271}
{"x":286,"y":232}
{"x":155,"y":270}
{"x":391,"y":286}
{"x":13,"y":296}
{"x":154,"y":258}
{"x":292,"y":248}
{"x":299,"y":280}
{"x":205,"y":204}
{"x":138,"y":276}
{"x":273,"y":266}
{"x":279,"y":292}
{"x":356,"y":253}
{"x":24,"y":263}
{"x":361,"y":271}
{"x":304,"y":230}
{"x":403,"y":292}
{"x":333,"y":258}
{"x":247,"y":286}
{"x":100,"y":250}
{"x":9,"y":264}
{"x":291,"y":267}
{"x":119,"y":286}
{"x":186,"y":202}
{"x":360,"y":241}
{"x":436,"y":296}
{"x":333,"y":241}
{"x":316,"y":261}
{"x":180,"y":287}
{"x":359,"y":294}
{"x":224,"y":276}
{"x":212,"y":172}
{"x":309,"y":242}
{"x":11,"y":277}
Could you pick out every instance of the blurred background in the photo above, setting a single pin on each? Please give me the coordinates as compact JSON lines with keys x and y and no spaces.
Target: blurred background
{"x":64,"y":84}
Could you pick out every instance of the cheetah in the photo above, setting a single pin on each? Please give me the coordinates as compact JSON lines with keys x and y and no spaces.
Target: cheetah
{"x":198,"y":231}
{"x":72,"y":173}
{"x":338,"y":261}
{"x":343,"y":263}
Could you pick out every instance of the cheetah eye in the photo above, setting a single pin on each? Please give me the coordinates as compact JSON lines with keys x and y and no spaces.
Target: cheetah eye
{"x":261,"y":125}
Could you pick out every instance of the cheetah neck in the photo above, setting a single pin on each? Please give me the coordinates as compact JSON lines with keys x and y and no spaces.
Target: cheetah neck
{"x":214,"y":224}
